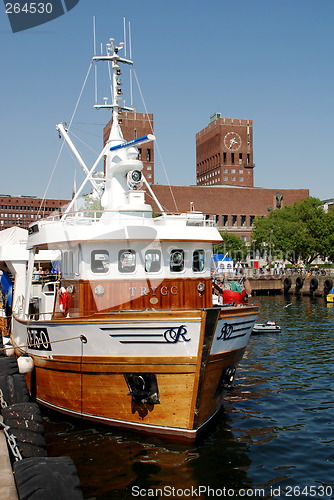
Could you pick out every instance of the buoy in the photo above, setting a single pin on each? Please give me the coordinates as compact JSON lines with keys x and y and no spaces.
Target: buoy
{"x":25,"y":364}
{"x":8,"y":348}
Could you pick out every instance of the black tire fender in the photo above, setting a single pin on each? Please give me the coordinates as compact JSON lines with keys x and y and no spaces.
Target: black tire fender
{"x":313,"y":284}
{"x":328,"y":285}
{"x":299,"y":283}
{"x":8,"y":366}
{"x":287,"y":284}
{"x":23,"y":412}
{"x":52,"y":478}
{"x":14,"y":389}
{"x":28,"y":432}
{"x":2,"y":353}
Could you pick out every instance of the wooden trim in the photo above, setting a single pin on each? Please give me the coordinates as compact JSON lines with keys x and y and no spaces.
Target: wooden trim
{"x":192,"y":315}
{"x":138,"y":294}
{"x":209,"y":324}
{"x":104,"y":365}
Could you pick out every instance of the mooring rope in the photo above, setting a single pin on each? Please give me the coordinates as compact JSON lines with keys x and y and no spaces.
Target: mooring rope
{"x":43,"y":343}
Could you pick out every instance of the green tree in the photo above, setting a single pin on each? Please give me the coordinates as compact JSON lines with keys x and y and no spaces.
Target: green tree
{"x":92,"y":205}
{"x":303,"y":231}
{"x":232,"y":246}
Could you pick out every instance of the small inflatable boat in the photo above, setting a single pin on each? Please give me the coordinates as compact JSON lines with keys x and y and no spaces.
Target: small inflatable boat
{"x":270,"y":326}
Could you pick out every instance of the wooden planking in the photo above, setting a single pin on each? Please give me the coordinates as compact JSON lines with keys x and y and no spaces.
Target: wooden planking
{"x":209,"y":403}
{"x":134,"y":294}
{"x":133,"y":317}
{"x":61,"y":387}
{"x":209,"y":323}
{"x":110,"y":365}
{"x":112,"y":399}
{"x":105,"y":393}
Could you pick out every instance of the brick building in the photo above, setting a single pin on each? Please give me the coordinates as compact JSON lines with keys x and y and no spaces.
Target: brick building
{"x":233,"y":209}
{"x":224,"y":153}
{"x":22,"y":210}
{"x":225,"y":180}
{"x":136,"y":125}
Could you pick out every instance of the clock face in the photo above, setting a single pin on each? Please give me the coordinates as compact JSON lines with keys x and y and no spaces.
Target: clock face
{"x":232,"y":141}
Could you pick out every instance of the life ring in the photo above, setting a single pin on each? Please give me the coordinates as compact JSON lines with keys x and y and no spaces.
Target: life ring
{"x":64,"y":299}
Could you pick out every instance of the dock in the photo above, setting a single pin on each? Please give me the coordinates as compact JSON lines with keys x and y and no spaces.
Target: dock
{"x":318,"y":286}
{"x":294,"y":284}
{"x":7,"y":485}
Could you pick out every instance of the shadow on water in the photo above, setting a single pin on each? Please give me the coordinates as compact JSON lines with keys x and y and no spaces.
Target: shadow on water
{"x":120,"y":465}
{"x":276,"y":430}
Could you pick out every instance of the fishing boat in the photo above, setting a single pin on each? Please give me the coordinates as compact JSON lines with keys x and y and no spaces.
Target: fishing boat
{"x":268,"y":327}
{"x":125,"y":333}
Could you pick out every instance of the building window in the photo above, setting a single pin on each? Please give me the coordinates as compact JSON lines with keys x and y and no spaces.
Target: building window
{"x":240,"y":158}
{"x":127,"y":261}
{"x":150,"y":168}
{"x":225,"y":178}
{"x":241,"y":171}
{"x":234,"y":179}
{"x":232,"y":158}
{"x":148,"y":154}
{"x":139,"y":153}
{"x":248,"y":158}
{"x":241,"y":179}
{"x":100,"y":261}
{"x":224,"y":220}
{"x":251,"y":219}
{"x":242,"y":220}
{"x":225,"y":170}
{"x":224,"y":158}
{"x":234,"y":220}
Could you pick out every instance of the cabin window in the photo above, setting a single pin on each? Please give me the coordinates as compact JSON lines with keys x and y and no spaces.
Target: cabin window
{"x":198,"y":261}
{"x":100,"y":261}
{"x":65,"y":263}
{"x":177,"y":261}
{"x":76,"y":263}
{"x":127,"y":261}
{"x":152,"y":261}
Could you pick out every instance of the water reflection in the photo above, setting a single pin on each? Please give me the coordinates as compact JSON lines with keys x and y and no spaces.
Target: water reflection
{"x":277,"y":427}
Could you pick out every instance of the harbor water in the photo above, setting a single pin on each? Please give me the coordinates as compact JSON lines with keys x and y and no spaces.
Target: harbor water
{"x":273,"y":439}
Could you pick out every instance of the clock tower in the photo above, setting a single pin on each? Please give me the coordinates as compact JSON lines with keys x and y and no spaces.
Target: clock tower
{"x":224,"y":153}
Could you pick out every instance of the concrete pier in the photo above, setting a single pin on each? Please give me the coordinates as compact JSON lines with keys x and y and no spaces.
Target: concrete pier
{"x":294,"y":284}
{"x":299,"y":284}
{"x":7,"y":484}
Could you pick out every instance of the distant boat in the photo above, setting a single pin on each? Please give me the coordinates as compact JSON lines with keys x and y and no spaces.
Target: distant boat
{"x":268,"y":327}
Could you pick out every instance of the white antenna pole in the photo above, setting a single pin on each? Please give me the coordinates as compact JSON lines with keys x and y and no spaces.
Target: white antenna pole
{"x":95,"y":79}
{"x":130,"y":54}
{"x":124,"y":35}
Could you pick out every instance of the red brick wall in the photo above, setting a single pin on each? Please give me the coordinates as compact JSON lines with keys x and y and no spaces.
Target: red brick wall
{"x":228,"y":201}
{"x":216,"y":164}
{"x":136,"y":125}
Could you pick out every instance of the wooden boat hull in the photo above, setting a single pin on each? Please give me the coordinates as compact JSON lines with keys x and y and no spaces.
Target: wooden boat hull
{"x":174,"y":391}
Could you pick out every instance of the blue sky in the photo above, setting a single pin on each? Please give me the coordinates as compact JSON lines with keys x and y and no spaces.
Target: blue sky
{"x":266,"y":60}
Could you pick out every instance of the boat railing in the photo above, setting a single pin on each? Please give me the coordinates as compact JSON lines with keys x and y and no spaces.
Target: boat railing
{"x":88,"y":217}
